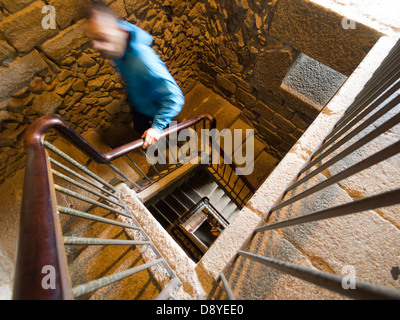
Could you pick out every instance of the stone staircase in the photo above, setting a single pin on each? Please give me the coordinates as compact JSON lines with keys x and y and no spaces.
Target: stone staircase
{"x":202,"y":99}
{"x":184,"y":197}
{"x":199,"y":100}
{"x":188,"y":184}
{"x":199,"y":185}
{"x":172,"y":196}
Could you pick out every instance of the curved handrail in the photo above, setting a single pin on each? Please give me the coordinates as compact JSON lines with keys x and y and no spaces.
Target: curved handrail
{"x":40,"y":246}
{"x":203,"y":202}
{"x":37,"y":130}
{"x":40,"y":249}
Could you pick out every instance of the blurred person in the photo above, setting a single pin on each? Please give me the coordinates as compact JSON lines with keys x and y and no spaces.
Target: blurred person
{"x":154,"y":96}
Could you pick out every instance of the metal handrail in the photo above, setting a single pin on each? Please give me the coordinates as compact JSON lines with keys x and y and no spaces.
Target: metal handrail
{"x":40,"y":240}
{"x":371,"y":105}
{"x":202,"y":204}
{"x":198,"y":207}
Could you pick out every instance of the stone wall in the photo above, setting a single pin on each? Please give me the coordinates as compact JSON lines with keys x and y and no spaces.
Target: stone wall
{"x":240,"y":49}
{"x":366,"y":241}
{"x":250,"y":45}
{"x":57,"y":71}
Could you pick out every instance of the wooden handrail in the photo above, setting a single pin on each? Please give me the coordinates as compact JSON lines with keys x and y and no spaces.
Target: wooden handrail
{"x":40,"y":254}
{"x":41,"y":260}
{"x":37,"y":130}
{"x":39,"y":243}
{"x":217,"y":212}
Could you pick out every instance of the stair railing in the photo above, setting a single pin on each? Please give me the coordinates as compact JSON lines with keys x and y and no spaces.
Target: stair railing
{"x":195,"y":248}
{"x":204,"y":203}
{"x":41,"y":267}
{"x":368,"y":114}
{"x":239,"y":188}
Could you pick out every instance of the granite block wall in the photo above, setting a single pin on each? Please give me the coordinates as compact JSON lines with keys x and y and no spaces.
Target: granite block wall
{"x":240,"y":49}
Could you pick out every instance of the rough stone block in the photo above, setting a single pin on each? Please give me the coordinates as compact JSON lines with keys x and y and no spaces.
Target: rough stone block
{"x":114,"y":107}
{"x":24,"y":29}
{"x":6,"y":51}
{"x":202,"y":99}
{"x":134,"y":6}
{"x":248,"y":99}
{"x":66,"y":41}
{"x":119,"y":8}
{"x":312,"y":81}
{"x":264,"y":111}
{"x":67,"y":11}
{"x":10,"y":137}
{"x":270,"y":69}
{"x":318,"y":32}
{"x":241,"y":83}
{"x":226,"y":84}
{"x":301,"y":121}
{"x":46,"y":103}
{"x":270,"y":137}
{"x":20,"y":73}
{"x":14,"y":6}
{"x":282,"y":123}
{"x":18,"y":105}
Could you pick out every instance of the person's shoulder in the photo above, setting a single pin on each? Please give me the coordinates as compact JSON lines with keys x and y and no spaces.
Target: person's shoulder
{"x":139,"y":36}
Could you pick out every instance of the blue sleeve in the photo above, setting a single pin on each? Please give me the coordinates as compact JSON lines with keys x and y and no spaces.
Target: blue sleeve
{"x":172,"y":102}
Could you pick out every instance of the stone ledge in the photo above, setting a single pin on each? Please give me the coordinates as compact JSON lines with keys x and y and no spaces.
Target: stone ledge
{"x":224,"y":249}
{"x":323,"y":37}
{"x":169,"y":249}
{"x":60,"y":46}
{"x":24,"y":29}
{"x":20,"y":72}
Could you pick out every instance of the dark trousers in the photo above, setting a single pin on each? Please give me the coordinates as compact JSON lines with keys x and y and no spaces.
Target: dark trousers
{"x":141,"y":122}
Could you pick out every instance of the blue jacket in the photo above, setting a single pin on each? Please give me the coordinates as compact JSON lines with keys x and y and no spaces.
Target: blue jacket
{"x":149,"y":86}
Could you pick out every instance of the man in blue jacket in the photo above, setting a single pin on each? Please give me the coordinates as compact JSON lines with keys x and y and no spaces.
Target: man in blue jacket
{"x":153,"y":94}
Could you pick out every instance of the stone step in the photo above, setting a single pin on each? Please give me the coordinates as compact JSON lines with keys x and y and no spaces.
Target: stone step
{"x":167,"y":210}
{"x":167,"y":183}
{"x":178,"y":206}
{"x":263,"y":166}
{"x":183,"y":198}
{"x":203,"y":100}
{"x":190,"y":192}
{"x":94,"y":262}
{"x":160,"y":217}
{"x":209,"y":188}
{"x":233,"y":215}
{"x":228,"y":210}
{"x":222,"y":203}
{"x":199,"y":180}
{"x":216,"y":196}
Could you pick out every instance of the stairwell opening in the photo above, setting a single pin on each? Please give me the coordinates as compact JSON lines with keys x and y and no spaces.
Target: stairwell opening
{"x":211,"y":44}
{"x":194,"y":211}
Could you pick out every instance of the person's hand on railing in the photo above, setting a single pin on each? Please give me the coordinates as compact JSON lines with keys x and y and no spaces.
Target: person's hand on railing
{"x":150,"y":136}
